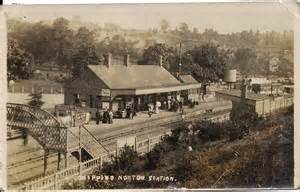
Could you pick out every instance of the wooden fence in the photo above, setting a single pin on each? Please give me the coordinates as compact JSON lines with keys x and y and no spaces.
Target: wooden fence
{"x":56,"y":180}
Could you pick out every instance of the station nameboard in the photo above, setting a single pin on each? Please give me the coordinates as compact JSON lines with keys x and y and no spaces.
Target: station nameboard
{"x":105,"y":92}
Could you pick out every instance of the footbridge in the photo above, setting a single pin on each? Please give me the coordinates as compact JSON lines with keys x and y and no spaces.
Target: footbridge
{"x":52,"y":135}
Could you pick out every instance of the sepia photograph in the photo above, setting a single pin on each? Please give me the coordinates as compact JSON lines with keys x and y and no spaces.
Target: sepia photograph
{"x":150,"y":96}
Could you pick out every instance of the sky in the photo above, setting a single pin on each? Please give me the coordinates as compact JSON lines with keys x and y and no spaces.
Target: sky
{"x":223,"y":17}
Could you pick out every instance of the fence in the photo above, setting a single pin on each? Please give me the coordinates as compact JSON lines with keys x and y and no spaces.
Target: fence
{"x":36,"y":89}
{"x":56,"y":180}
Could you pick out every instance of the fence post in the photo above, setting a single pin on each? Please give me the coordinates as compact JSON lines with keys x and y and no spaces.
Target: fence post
{"x":61,"y":90}
{"x":80,"y":171}
{"x":32,"y":90}
{"x":13,"y":89}
{"x":116,"y":149}
{"x":22,"y":89}
{"x":55,"y":181}
{"x":149,"y":147}
{"x":135,"y":142}
{"x":101,"y":161}
{"x":42,"y":89}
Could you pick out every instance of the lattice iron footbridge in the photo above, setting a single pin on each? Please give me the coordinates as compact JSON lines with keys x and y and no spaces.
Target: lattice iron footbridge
{"x":53,"y":135}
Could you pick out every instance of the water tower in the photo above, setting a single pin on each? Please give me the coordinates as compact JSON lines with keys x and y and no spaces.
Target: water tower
{"x":230,"y":77}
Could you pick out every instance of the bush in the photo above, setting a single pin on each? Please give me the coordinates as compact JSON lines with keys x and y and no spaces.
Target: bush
{"x":243,"y":117}
{"x":127,"y":161}
{"x":36,"y":100}
{"x":187,"y":167}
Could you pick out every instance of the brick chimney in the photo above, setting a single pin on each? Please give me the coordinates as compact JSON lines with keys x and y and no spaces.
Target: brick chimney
{"x":160,"y":60}
{"x":107,"y":60}
{"x":127,"y":60}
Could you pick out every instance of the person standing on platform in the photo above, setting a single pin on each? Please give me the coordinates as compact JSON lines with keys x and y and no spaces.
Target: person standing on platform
{"x":131,"y":112}
{"x":169,"y":105}
{"x":180,"y":105}
{"x":176,"y":106}
{"x":98,"y":116}
{"x":87,"y":117}
{"x":105,"y":118}
{"x":149,"y":110}
{"x":164,"y":105}
{"x":111,"y":116}
{"x":157,"y":106}
{"x":128,"y":112}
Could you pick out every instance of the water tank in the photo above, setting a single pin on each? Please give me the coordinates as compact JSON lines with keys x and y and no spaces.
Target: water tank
{"x":230,"y":76}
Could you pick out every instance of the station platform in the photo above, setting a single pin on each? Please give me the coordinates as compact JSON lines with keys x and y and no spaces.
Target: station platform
{"x":102,"y":131}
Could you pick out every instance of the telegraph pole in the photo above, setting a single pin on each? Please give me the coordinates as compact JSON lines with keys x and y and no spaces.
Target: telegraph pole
{"x":180,"y":58}
{"x":79,"y":133}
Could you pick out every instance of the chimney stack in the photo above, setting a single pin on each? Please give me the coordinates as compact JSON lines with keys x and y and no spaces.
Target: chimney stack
{"x":127,"y":60}
{"x":160,"y":60}
{"x":107,"y":59}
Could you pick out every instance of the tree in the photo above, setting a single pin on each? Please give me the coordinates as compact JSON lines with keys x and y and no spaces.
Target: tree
{"x":210,"y":34}
{"x":118,"y":45}
{"x":36,"y":100}
{"x":38,"y":40}
{"x":62,"y":40}
{"x":184,"y":28}
{"x":18,"y":61}
{"x":170,"y":57}
{"x":245,"y":60}
{"x":84,"y":51}
{"x":164,"y":25}
{"x":207,"y":62}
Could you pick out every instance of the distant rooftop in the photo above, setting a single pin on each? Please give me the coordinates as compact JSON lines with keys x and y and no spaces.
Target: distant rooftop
{"x":250,"y":95}
{"x":187,"y":79}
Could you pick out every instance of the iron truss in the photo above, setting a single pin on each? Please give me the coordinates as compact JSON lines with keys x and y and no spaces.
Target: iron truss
{"x":41,"y":125}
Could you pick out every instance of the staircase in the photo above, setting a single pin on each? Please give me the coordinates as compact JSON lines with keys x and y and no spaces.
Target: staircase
{"x":87,"y":141}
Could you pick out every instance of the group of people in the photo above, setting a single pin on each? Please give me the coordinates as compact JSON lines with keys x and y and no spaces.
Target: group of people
{"x":130,"y":112}
{"x":170,"y":105}
{"x":105,"y":117}
{"x":173,"y":105}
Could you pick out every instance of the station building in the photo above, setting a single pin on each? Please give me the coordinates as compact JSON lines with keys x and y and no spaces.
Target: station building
{"x":115,"y":86}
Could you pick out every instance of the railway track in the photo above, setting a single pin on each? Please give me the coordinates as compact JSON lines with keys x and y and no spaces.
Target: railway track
{"x":173,"y":124}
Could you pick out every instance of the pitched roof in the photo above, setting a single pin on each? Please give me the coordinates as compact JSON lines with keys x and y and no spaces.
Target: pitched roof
{"x":134,"y":76}
{"x":188,"y":79}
